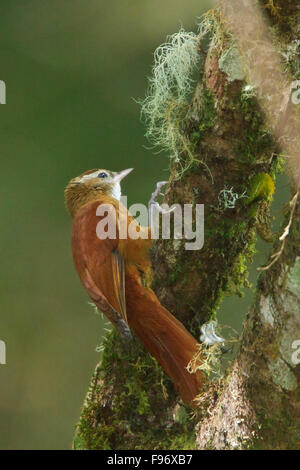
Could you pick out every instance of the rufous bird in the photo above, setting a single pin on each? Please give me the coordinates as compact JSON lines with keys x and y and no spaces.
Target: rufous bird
{"x":116,"y":274}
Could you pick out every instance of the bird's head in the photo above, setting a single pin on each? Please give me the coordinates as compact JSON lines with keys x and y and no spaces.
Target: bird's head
{"x":92,"y":184}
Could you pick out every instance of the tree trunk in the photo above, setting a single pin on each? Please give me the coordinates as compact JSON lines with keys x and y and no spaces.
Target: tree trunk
{"x":259,"y":404}
{"x":221,"y":141}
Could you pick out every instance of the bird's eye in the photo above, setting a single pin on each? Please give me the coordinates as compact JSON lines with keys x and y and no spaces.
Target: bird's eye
{"x":102,"y":175}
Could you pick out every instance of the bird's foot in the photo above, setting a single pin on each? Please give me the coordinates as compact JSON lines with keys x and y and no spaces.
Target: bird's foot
{"x":157,"y":192}
{"x":154,"y":204}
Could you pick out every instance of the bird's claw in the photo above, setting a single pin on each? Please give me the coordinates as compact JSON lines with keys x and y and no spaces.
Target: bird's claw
{"x":153,"y":203}
{"x":157,"y":192}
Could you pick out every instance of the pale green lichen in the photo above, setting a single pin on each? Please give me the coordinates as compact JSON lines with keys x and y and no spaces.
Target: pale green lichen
{"x":231,"y":64}
{"x":290,"y":335}
{"x":212,"y":25}
{"x":282,"y":375}
{"x":291,"y":331}
{"x":180,"y":414}
{"x":228,"y":198}
{"x":293,"y":279}
{"x":266,"y":309}
{"x":165,"y":107}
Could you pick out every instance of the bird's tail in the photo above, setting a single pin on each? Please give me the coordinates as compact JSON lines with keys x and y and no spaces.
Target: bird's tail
{"x":169,"y":342}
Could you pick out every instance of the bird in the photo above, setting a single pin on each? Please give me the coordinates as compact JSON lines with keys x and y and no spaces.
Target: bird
{"x":117,"y":273}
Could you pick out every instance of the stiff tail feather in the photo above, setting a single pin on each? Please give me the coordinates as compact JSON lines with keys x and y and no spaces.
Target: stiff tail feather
{"x":171,"y":345}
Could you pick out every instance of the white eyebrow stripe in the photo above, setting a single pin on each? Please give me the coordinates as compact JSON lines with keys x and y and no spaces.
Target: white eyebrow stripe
{"x":89,"y":176}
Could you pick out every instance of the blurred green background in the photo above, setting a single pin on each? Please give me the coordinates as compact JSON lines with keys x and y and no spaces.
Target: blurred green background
{"x":72,"y":69}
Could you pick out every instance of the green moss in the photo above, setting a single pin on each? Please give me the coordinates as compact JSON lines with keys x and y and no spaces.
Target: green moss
{"x":254,"y":138}
{"x":273,"y":8}
{"x":261,"y":188}
{"x":238,"y":276}
{"x":174,"y":274}
{"x":190,"y":159}
{"x":207,"y":116}
{"x":137,"y":389}
{"x":277,"y":165}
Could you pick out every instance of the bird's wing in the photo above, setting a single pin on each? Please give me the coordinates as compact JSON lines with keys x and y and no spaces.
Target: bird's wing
{"x":118,"y":274}
{"x":99,"y":264}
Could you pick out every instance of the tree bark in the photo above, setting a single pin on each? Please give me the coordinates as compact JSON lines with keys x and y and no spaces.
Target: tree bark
{"x":227,"y":145}
{"x":259,"y":405}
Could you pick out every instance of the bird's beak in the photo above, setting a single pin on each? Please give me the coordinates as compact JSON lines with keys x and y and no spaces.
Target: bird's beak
{"x":119,"y":176}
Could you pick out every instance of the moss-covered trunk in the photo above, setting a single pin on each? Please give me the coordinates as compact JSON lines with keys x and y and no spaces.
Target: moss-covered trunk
{"x":221,"y":145}
{"x":259,"y":404}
